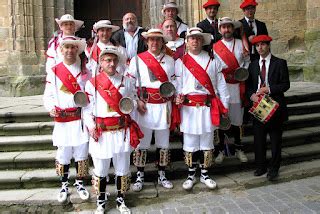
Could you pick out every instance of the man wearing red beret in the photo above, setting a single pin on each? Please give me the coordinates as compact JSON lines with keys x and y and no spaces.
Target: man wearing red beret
{"x":251,"y":26}
{"x":268,"y":75}
{"x":210,"y":24}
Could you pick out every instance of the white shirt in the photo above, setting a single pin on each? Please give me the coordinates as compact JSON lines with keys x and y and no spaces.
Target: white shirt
{"x":181,"y":27}
{"x":254,"y":26}
{"x":174,"y":45}
{"x":268,"y":58}
{"x":131,"y":42}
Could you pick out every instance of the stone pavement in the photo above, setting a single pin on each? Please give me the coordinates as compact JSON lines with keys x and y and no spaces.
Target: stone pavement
{"x":34,"y":103}
{"x":238,"y":192}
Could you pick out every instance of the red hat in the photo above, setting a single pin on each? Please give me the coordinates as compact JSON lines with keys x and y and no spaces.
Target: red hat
{"x":211,"y":3}
{"x":247,"y":3}
{"x":261,"y":38}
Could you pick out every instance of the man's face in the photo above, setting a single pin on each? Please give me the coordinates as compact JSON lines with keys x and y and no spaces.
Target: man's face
{"x":249,"y":11}
{"x":169,"y":28}
{"x":227,"y":30}
{"x":195,"y":43}
{"x":69,"y":52}
{"x":129,"y":22}
{"x":109,"y":63}
{"x":263,"y":49}
{"x":212,"y":11}
{"x":68,"y":28}
{"x":170,"y":13}
{"x":155,"y":44}
{"x":104,"y":34}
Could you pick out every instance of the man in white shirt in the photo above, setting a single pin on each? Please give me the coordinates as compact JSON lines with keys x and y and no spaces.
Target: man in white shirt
{"x":268,"y":75}
{"x":231,"y":53}
{"x":199,"y":78}
{"x":68,"y":26}
{"x":69,"y":135}
{"x":130,"y":36}
{"x":103,"y":30}
{"x":149,"y":70}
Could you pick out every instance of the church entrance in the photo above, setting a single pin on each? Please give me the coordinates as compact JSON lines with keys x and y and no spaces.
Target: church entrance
{"x":94,"y":10}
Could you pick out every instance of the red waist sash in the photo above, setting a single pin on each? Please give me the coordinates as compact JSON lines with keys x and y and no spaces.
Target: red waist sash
{"x":110,"y":123}
{"x":152,"y":96}
{"x":68,"y":114}
{"x":198,"y":100}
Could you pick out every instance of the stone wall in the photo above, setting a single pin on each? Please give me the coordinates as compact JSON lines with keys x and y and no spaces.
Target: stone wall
{"x":24,"y":31}
{"x":293,"y":24}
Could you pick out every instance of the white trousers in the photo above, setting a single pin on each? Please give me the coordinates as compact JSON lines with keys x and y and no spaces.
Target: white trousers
{"x":236,"y":114}
{"x":161,"y":138}
{"x":66,"y":153}
{"x":195,"y":142}
{"x":120,"y":161}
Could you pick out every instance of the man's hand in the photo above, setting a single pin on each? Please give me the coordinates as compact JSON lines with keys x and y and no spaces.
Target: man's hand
{"x":250,"y":38}
{"x":141,"y":107}
{"x":179,"y":99}
{"x":94,"y":134}
{"x":53,"y":113}
{"x":254,"y":98}
{"x":263,"y":90}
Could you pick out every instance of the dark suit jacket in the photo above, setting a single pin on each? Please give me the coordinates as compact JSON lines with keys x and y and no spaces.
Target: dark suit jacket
{"x":208,"y":28}
{"x":261,"y":30}
{"x":278,"y":79}
{"x":119,"y":37}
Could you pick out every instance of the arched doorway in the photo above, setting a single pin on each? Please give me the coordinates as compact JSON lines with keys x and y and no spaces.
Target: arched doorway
{"x":94,"y":10}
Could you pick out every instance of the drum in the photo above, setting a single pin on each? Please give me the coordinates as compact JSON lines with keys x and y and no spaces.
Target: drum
{"x":126,"y":105}
{"x":264,"y":109}
{"x":167,"y":90}
{"x":225,"y":123}
{"x":80,"y":99}
{"x":241,"y":74}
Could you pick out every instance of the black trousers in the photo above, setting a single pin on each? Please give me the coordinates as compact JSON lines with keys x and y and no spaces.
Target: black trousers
{"x":274,"y":129}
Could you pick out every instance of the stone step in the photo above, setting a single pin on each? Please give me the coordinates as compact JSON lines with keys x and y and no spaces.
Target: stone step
{"x":40,"y":178}
{"x":45,"y":128}
{"x":39,"y":115}
{"x":44,"y":142}
{"x":24,"y":117}
{"x":43,"y":200}
{"x":24,"y":129}
{"x":45,"y":158}
{"x":304,"y":108}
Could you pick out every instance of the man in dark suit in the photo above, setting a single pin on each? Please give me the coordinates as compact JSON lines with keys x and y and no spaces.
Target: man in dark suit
{"x":268,"y":75}
{"x":251,"y":26}
{"x":210,"y":24}
{"x":130,"y":35}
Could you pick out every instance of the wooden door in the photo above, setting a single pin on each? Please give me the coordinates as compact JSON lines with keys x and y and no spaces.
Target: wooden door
{"x":113,"y":10}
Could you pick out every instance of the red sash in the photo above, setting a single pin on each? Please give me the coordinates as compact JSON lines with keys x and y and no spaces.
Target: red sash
{"x":154,"y":66}
{"x":95,"y":53}
{"x":67,"y":79}
{"x":230,"y":60}
{"x":202,"y":76}
{"x":112,"y":96}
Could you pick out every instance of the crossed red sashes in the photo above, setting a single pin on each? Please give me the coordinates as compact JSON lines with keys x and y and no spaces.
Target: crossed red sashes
{"x":112,"y":96}
{"x":161,"y":75}
{"x":201,"y":75}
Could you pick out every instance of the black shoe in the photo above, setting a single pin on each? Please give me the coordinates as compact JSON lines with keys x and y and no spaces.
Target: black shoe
{"x":272,"y":175}
{"x":259,"y":172}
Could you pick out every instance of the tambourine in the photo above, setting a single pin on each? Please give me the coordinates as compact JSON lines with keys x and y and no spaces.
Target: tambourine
{"x":126,"y":105}
{"x":80,"y":99}
{"x":225,"y":123}
{"x":167,"y":90}
{"x":241,"y":74}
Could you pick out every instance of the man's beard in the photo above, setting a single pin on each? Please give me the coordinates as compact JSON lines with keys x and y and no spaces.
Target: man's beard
{"x":130,"y":26}
{"x":227,"y":35}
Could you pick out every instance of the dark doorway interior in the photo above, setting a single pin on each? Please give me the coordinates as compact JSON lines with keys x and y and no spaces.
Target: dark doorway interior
{"x":95,"y":10}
